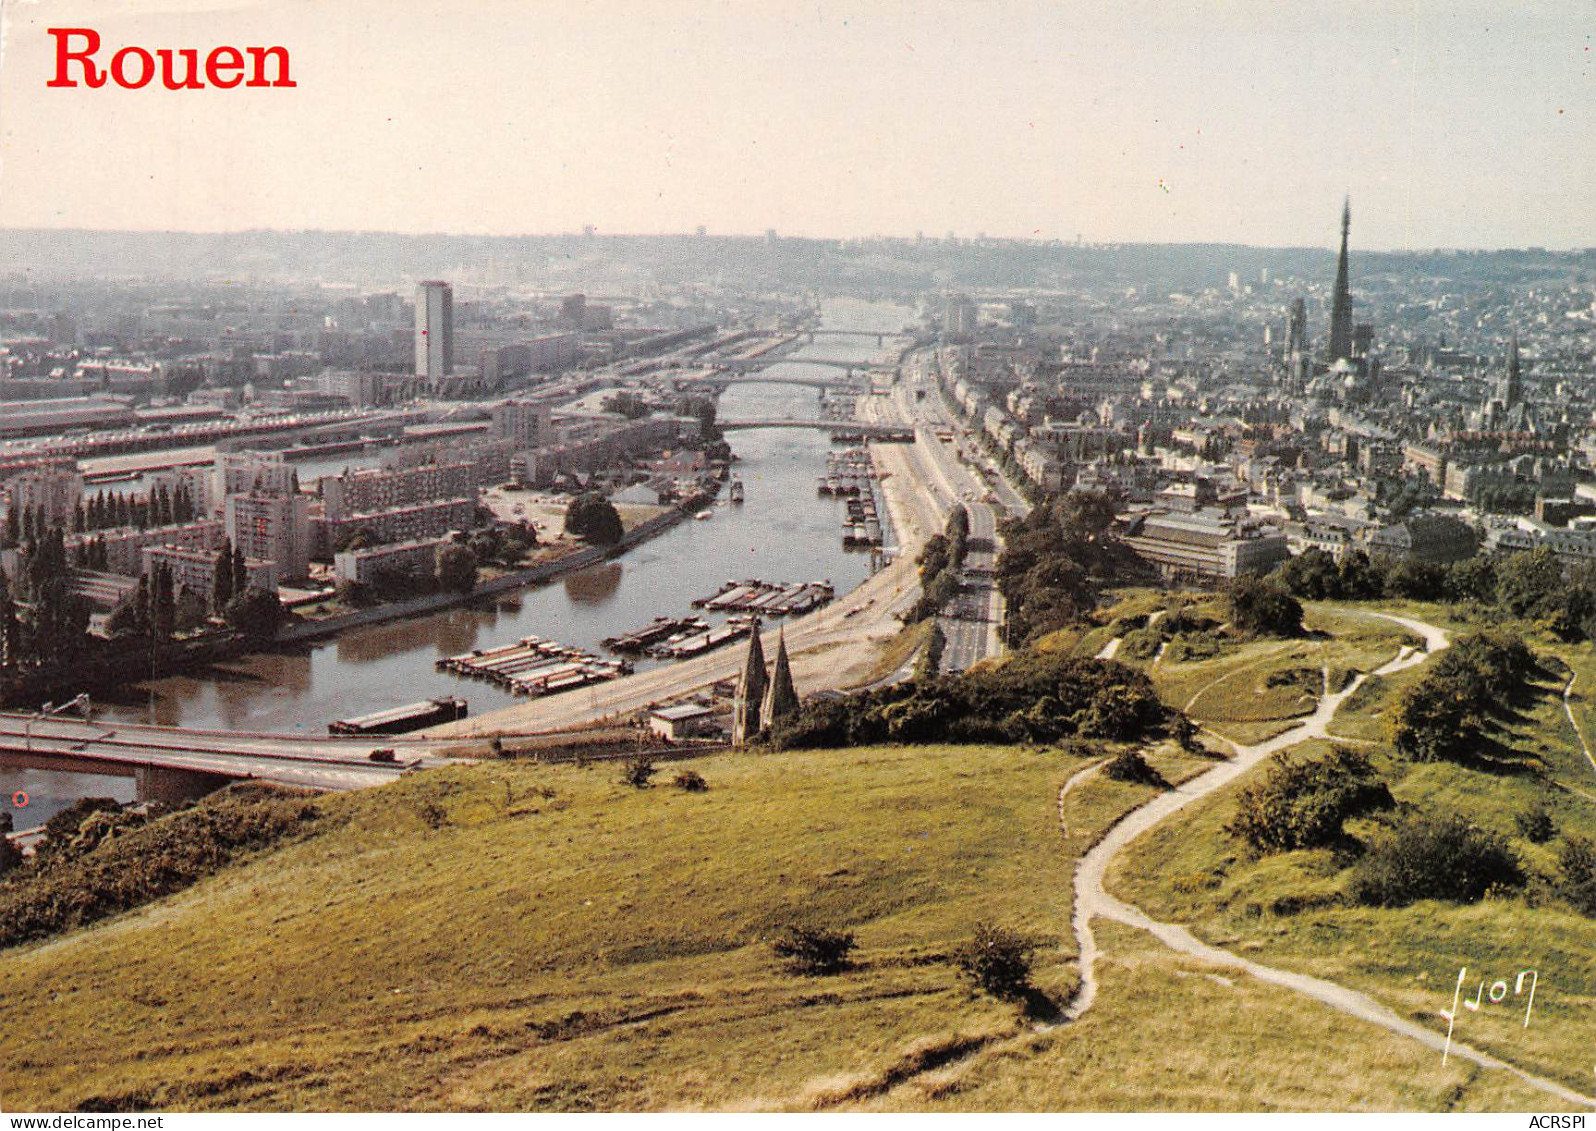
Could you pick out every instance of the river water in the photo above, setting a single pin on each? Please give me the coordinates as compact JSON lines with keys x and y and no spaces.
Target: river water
{"x":783,"y":532}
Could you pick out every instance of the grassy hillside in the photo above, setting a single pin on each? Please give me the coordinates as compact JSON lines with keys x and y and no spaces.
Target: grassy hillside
{"x":544,"y":937}
{"x":1292,"y":909}
{"x":511,"y":936}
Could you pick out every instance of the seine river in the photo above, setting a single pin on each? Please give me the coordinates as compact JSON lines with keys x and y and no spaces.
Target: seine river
{"x":782,"y":532}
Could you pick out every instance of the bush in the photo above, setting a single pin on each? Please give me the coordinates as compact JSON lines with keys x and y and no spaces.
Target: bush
{"x":1306,"y":804}
{"x":690,"y":781}
{"x":638,"y":771}
{"x":1576,"y":874}
{"x":1131,"y":766}
{"x":1140,"y":644}
{"x":997,"y":960}
{"x":815,"y":950}
{"x":1433,"y":856}
{"x":145,"y":862}
{"x":1535,"y":824}
{"x":1260,"y":607}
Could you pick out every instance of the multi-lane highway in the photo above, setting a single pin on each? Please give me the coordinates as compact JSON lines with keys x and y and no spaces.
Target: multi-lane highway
{"x":971,"y":625}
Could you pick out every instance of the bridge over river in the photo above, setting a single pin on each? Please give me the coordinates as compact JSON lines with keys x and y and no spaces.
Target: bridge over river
{"x":171,"y":763}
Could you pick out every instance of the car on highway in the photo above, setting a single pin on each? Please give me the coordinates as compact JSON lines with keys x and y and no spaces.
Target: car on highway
{"x":386,"y":754}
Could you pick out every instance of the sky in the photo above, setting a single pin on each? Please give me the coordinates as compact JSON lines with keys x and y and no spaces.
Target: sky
{"x":1450,"y":124}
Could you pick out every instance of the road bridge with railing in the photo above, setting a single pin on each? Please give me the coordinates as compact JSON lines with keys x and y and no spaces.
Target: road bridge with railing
{"x":172,"y":763}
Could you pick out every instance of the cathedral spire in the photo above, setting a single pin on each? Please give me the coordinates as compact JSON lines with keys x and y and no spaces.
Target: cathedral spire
{"x":781,"y":698}
{"x":1341,"y":308}
{"x":750,"y":692}
{"x":1513,"y":382}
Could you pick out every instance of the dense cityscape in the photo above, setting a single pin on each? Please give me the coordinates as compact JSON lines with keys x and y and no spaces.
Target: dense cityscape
{"x":266,"y":524}
{"x":918,"y":558}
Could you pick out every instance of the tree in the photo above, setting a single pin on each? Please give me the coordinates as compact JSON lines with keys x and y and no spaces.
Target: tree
{"x":455,"y":568}
{"x":1530,"y":584}
{"x":222,"y":583}
{"x":163,"y":607}
{"x":1259,"y":607}
{"x":191,"y":609}
{"x":594,"y":518}
{"x":130,"y":619}
{"x":240,"y":572}
{"x":255,"y":613}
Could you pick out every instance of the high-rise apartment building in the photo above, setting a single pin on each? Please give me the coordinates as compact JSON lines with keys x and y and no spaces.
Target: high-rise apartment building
{"x":272,"y":528}
{"x":525,"y":423}
{"x":434,"y":331}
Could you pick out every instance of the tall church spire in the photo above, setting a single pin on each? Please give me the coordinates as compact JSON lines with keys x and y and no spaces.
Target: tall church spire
{"x":1341,"y":308}
{"x":781,"y":698}
{"x":750,"y":692}
{"x":1513,"y":379}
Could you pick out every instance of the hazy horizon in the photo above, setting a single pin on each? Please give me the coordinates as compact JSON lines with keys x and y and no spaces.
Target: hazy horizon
{"x":1452,"y":125}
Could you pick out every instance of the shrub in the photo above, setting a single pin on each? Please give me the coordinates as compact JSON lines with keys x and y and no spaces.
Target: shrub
{"x":997,"y":960}
{"x":1535,"y":824}
{"x":1576,"y":874}
{"x":690,"y":781}
{"x":1188,"y":646}
{"x":146,"y":862}
{"x":1306,"y":804}
{"x":1131,"y":766}
{"x":638,"y":771}
{"x":1140,"y":644}
{"x":814,"y":950}
{"x":1260,"y":607}
{"x":1433,"y":856}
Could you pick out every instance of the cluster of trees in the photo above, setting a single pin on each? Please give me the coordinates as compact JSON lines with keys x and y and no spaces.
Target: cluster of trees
{"x":1445,"y":715}
{"x":1506,"y":498}
{"x":43,"y":624}
{"x":104,"y":511}
{"x":940,"y":563}
{"x":504,"y":545}
{"x":593,"y":517}
{"x":98,"y":859}
{"x":161,"y":507}
{"x":1056,"y":561}
{"x":1033,"y":697}
{"x":1411,"y":854}
{"x":1531,"y":584}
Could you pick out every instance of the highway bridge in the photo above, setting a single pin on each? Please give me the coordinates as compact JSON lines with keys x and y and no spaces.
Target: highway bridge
{"x":744,"y":365}
{"x":902,"y":432}
{"x":172,"y":763}
{"x":880,"y":336}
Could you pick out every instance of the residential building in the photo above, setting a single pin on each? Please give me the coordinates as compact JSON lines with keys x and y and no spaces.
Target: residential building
{"x":195,"y":570}
{"x":272,"y":528}
{"x":434,"y":331}
{"x":397,"y":559}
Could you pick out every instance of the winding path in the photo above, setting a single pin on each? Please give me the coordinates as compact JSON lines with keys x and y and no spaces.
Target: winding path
{"x":1092,"y":901}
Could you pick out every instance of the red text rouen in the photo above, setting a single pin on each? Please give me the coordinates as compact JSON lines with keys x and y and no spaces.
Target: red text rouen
{"x":77,"y":50}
